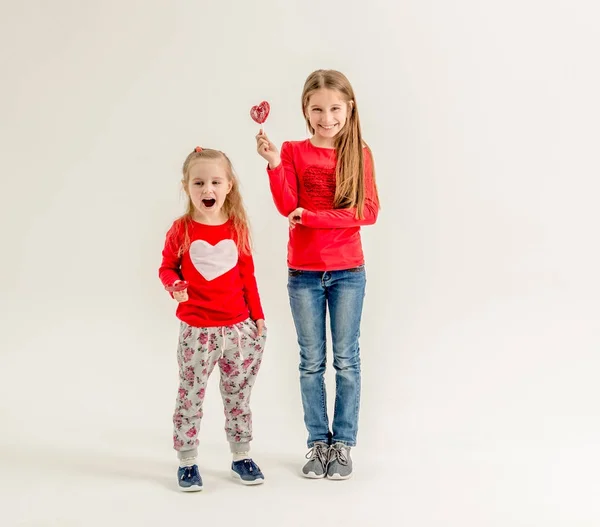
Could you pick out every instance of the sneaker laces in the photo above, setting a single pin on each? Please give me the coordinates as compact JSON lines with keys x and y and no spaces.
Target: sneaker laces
{"x":187,"y":473}
{"x":319,"y":452}
{"x":248,"y":464}
{"x":339,"y":453}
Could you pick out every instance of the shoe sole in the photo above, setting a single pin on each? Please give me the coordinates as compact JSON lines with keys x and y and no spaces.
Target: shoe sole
{"x":338,"y":477}
{"x":236,"y":476}
{"x":193,"y":488}
{"x":312,"y":475}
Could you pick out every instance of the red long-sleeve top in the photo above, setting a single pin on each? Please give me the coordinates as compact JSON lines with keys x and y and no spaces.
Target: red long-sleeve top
{"x":222,"y":287}
{"x":328,"y":239}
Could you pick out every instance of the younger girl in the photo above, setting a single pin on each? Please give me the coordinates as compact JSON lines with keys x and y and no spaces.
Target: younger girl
{"x":326,"y":188}
{"x":220,"y":311}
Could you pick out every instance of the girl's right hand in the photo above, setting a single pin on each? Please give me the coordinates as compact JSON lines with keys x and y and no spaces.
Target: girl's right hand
{"x":267,"y":150}
{"x":180,"y":296}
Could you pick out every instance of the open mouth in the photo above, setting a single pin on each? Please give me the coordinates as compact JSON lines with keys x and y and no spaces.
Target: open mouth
{"x":208,"y":203}
{"x":328,"y":128}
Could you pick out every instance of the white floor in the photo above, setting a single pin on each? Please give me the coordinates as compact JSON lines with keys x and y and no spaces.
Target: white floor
{"x":427,"y":486}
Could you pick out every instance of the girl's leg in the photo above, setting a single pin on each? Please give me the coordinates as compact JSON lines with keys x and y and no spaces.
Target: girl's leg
{"x":346,"y":291}
{"x":197,"y":354}
{"x":239,"y":365}
{"x":308,"y":302}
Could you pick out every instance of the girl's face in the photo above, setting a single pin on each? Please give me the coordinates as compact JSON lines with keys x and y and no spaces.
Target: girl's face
{"x":327,"y":112}
{"x":207,"y":187}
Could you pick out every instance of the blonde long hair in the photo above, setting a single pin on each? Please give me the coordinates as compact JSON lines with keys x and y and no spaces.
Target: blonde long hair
{"x":233,"y":207}
{"x":350,"y":169}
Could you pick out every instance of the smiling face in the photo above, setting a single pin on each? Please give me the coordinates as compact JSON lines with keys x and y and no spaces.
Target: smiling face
{"x":327,"y":113}
{"x":207,"y":187}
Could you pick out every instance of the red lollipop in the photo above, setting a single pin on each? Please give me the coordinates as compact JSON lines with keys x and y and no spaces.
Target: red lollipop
{"x":260,"y":113}
{"x":179,"y":286}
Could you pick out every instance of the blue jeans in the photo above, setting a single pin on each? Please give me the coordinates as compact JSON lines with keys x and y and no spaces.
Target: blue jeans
{"x":311,"y":293}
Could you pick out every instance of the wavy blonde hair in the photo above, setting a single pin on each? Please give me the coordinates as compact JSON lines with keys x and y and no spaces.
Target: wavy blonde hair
{"x":233,"y":207}
{"x":350,"y":169}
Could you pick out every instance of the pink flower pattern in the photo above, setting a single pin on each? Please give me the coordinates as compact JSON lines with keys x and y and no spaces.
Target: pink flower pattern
{"x":238,"y":354}
{"x":192,"y":432}
{"x":247,"y":363}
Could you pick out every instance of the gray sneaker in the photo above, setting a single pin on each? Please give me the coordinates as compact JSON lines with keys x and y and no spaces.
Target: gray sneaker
{"x":340,"y":462}
{"x":317,"y":461}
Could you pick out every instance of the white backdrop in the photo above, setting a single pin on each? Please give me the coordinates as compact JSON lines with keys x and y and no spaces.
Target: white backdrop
{"x":480,"y":335}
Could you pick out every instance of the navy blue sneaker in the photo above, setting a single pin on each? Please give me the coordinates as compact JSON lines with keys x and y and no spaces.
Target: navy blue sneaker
{"x":189,"y":479}
{"x":247,"y":472}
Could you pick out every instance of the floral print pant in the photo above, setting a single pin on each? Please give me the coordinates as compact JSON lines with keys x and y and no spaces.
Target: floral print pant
{"x":239,"y":354}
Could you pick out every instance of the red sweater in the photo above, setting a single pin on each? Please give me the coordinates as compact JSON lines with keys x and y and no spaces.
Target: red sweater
{"x":328,"y":239}
{"x":222,"y":288}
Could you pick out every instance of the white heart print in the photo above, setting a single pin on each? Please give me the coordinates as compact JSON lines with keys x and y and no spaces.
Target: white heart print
{"x":212,"y":261}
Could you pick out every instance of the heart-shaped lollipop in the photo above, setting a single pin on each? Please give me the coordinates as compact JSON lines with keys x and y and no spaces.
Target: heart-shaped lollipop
{"x":260,"y":113}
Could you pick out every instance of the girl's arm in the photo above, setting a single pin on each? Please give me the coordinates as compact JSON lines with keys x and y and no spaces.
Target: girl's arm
{"x":246,"y":266}
{"x":284,"y":182}
{"x":169,"y":271}
{"x":343,"y":218}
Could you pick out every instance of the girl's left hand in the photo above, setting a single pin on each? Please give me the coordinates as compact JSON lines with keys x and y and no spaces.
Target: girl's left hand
{"x":295,"y":217}
{"x":260,"y":326}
